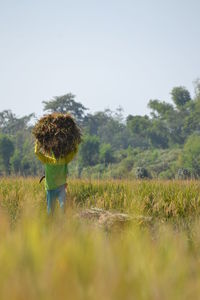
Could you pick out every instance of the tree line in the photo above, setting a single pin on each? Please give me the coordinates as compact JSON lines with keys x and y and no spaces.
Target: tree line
{"x":164,"y":144}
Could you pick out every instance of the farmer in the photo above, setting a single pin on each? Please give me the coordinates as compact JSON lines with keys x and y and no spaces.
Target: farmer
{"x":55,"y":175}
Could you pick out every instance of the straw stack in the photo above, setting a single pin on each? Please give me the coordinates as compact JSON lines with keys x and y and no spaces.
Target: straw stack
{"x":57,"y":134}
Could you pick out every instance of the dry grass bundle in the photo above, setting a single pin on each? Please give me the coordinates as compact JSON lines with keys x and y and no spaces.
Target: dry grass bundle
{"x":57,"y":133}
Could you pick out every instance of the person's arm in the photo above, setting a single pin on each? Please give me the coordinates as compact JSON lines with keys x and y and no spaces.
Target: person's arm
{"x":45,"y":159}
{"x":71,"y":155}
{"x":68,"y":157}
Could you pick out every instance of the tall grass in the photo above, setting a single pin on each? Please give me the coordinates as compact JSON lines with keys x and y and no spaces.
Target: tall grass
{"x":66,"y":258}
{"x":159,"y":199}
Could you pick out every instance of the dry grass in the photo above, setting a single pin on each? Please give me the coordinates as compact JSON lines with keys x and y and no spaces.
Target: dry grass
{"x":67,"y":258}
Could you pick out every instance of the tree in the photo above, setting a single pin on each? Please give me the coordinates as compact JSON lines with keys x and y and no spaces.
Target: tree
{"x":138,"y":127}
{"x":108,"y":126}
{"x":138,"y":124}
{"x":89,"y":151}
{"x":6,"y":151}
{"x":169,"y":123}
{"x":160,"y":109}
{"x":190,"y":158}
{"x":158,"y":134}
{"x":180,"y":96}
{"x":106,"y":154}
{"x":66,"y":104}
{"x":197,"y":88}
{"x":10,"y":124}
{"x":16,"y":162}
{"x":192,"y":120}
{"x":92,"y":122}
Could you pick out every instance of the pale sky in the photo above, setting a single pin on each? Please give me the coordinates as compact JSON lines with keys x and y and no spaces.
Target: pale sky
{"x":108,"y":53}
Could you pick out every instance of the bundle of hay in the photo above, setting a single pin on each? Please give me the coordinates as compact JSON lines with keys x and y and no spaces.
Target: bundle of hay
{"x":58,"y":134}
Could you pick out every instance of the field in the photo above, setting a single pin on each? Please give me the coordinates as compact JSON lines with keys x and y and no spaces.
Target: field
{"x":155,"y":255}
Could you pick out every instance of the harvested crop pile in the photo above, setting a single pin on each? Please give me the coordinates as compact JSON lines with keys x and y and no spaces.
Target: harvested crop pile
{"x":57,"y":133}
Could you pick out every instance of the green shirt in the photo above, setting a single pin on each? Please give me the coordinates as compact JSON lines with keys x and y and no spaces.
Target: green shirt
{"x":55,"y":175}
{"x":55,"y":169}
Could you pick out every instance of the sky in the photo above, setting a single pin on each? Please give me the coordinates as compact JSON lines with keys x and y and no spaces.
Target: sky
{"x":109,"y":53}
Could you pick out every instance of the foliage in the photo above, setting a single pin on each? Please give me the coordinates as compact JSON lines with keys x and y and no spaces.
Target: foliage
{"x":10,"y":124}
{"x":160,"y":109}
{"x":65,"y":104}
{"x":89,"y":151}
{"x":142,"y":173}
{"x":106,"y":154}
{"x":180,"y":96}
{"x":16,"y":162}
{"x":6,"y":151}
{"x":114,"y":146}
{"x":190,"y":157}
{"x":183,"y":174}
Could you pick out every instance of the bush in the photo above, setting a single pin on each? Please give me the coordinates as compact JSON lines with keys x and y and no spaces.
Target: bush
{"x":142,"y":173}
{"x":183,"y":174}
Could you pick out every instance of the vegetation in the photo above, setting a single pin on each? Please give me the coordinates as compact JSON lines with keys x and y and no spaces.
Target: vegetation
{"x":114,"y":147}
{"x":69,"y":258}
{"x":6,"y":151}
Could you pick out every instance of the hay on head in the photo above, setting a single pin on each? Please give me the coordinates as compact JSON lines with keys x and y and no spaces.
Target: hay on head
{"x":57,"y":134}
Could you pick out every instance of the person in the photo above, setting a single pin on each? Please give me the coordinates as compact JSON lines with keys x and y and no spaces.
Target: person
{"x":55,"y":177}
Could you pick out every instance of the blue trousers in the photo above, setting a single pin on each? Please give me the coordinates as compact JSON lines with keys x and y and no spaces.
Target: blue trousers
{"x":52,"y":195}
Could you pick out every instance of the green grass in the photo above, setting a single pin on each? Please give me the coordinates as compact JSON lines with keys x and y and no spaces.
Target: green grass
{"x":66,"y":258}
